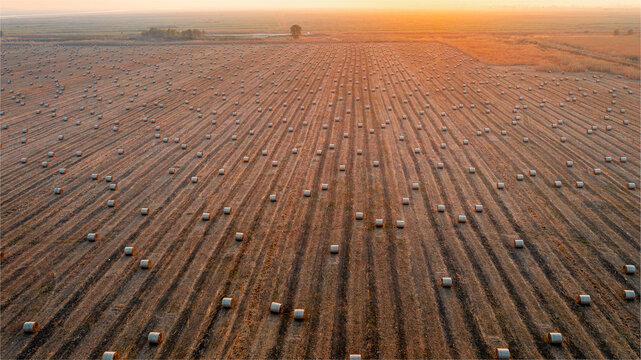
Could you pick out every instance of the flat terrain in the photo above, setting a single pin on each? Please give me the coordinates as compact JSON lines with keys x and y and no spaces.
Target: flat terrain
{"x":407,"y":106}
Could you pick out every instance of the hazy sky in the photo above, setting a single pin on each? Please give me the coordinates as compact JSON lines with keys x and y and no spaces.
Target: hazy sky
{"x":45,"y":6}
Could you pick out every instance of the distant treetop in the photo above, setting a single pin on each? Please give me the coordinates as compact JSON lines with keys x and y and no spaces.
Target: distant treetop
{"x":296,"y":31}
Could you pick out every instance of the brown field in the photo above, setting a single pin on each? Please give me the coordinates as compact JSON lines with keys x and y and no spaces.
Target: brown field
{"x":380,"y":296}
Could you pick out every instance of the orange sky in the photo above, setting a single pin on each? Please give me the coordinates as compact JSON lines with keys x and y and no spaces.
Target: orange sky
{"x":44,"y":6}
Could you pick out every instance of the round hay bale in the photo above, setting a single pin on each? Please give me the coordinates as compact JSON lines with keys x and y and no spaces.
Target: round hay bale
{"x":111,"y":203}
{"x":239,"y":236}
{"x":333,"y":249}
{"x":376,"y":163}
{"x":446,"y":282}
{"x":629,"y":295}
{"x":110,"y":355}
{"x":583,"y":299}
{"x":113,"y":187}
{"x":145,"y":211}
{"x":414,"y":186}
{"x":518,"y":243}
{"x":554,"y":338}
{"x":109,"y":178}
{"x":440,"y":208}
{"x":307,"y":193}
{"x":324,"y":186}
{"x":359,"y":215}
{"x":272,"y":197}
{"x":299,"y":314}
{"x":194,"y":179}
{"x":227,"y":302}
{"x":478,"y":208}
{"x":129,"y":251}
{"x":406,"y":201}
{"x":172,"y":171}
{"x":145,"y":264}
{"x":400,"y":224}
{"x":92,"y":237}
{"x":379,"y":222}
{"x":58,"y":191}
{"x":629,"y":269}
{"x":275,"y":307}
{"x":227,"y":210}
{"x":95,"y":176}
{"x":354,"y":356}
{"x":502,"y":353}
{"x":462,"y":219}
{"x":30,"y":327}
{"x":205,"y":217}
{"x":154,"y":338}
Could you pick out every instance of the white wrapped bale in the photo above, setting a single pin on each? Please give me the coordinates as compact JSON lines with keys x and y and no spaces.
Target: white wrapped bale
{"x":299,"y":314}
{"x":227,"y":302}
{"x":275,"y":307}
{"x":154,"y":338}
{"x":30,"y":327}
{"x":554,"y":338}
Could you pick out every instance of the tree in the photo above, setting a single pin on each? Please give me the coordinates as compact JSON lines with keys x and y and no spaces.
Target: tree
{"x":296,"y":31}
{"x":616,"y":32}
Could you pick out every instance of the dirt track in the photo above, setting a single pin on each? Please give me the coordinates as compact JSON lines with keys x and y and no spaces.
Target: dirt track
{"x":381,"y":295}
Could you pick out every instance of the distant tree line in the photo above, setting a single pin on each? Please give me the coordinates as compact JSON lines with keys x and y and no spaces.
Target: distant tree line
{"x":173,"y":34}
{"x":618,"y":32}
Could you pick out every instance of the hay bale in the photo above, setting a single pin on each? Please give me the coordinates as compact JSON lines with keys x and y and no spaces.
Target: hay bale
{"x":502,"y":353}
{"x":379,"y":222}
{"x":145,"y":264}
{"x":239,"y":236}
{"x":30,"y":327}
{"x":400,"y":224}
{"x":227,"y":302}
{"x":554,"y":338}
{"x":446,"y":282}
{"x":275,"y":308}
{"x":129,"y":251}
{"x":359,"y":215}
{"x":299,"y":314}
{"x":110,"y":355}
{"x":629,"y":269}
{"x":333,"y":249}
{"x":154,"y":338}
{"x":145,"y":211}
{"x":205,"y":216}
{"x":629,"y":295}
{"x":583,"y":299}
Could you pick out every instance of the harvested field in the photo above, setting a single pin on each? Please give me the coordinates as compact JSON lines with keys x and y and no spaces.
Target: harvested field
{"x":435,"y":287}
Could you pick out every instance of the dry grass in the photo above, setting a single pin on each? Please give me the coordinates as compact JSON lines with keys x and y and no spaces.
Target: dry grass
{"x":550,"y":52}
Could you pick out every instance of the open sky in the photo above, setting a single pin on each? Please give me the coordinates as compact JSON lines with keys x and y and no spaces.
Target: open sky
{"x":75,"y":6}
